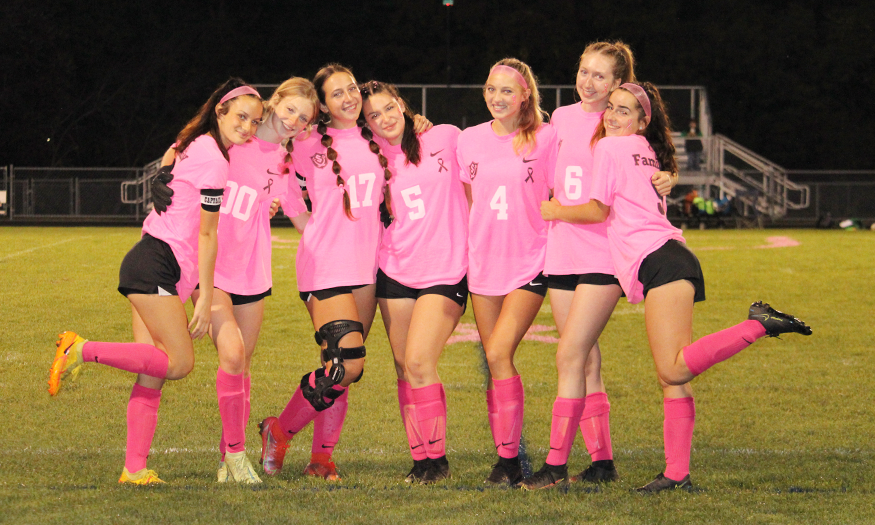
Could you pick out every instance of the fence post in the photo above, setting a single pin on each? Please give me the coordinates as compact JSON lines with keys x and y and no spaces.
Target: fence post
{"x":11,"y":195}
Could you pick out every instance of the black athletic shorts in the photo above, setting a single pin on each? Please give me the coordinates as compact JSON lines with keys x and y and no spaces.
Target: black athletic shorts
{"x":672,"y":262}
{"x":328,"y":293}
{"x":537,"y":285}
{"x":389,"y":288}
{"x":237,"y":299}
{"x":150,"y":268}
{"x":570,"y":282}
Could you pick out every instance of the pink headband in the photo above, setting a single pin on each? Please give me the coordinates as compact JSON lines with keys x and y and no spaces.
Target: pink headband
{"x":236,"y":92}
{"x":640,"y":94}
{"x":512,"y":72}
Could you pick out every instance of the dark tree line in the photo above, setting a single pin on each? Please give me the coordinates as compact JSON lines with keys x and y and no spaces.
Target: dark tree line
{"x":109,"y":83}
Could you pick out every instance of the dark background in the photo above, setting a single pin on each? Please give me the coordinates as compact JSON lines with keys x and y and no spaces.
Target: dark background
{"x":109,"y":82}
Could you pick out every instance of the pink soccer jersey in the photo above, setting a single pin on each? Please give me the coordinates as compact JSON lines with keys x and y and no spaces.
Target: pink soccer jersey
{"x":427,"y":243}
{"x":506,"y":235}
{"x":200,"y":166}
{"x":254,"y":179}
{"x":335,"y":250}
{"x":575,"y":248}
{"x":637,"y":225}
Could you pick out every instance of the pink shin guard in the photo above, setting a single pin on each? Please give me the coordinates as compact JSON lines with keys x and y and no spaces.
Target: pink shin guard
{"x":509,"y":402}
{"x":229,"y":392}
{"x":328,"y":425}
{"x":247,"y":408}
{"x":595,"y":426}
{"x":680,"y":418}
{"x":431,"y":413}
{"x":142,"y":420}
{"x":138,"y":358}
{"x":409,"y":421}
{"x":566,"y":414}
{"x":492,"y":414}
{"x":720,"y":346}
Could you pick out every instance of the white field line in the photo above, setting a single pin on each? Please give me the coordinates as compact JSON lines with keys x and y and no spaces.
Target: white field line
{"x":24,"y":252}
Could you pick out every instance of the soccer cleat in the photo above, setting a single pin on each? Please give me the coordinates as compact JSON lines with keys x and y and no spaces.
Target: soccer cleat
{"x":222,"y":473}
{"x":548,"y":476}
{"x":661,"y":483}
{"x":141,"y":477}
{"x":68,"y":361}
{"x":438,"y":470}
{"x":506,"y":472}
{"x":326,"y":470}
{"x":602,"y":471}
{"x":239,"y":468}
{"x":776,"y":322}
{"x":273,"y":446}
{"x":419,"y":468}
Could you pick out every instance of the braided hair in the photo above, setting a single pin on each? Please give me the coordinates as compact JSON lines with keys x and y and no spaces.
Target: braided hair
{"x":322,"y":128}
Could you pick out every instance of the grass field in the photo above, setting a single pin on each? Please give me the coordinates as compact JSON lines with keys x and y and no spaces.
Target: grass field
{"x":784,"y":431}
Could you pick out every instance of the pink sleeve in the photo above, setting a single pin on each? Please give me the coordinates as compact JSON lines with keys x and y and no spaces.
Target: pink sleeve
{"x":464,"y":172}
{"x":292,"y":199}
{"x":552,"y":153}
{"x":213,"y":175}
{"x":603,"y":176}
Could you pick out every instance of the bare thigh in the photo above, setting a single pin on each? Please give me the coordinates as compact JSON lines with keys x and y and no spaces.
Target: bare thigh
{"x":249,"y":318}
{"x":434,"y":319}
{"x":165,"y":320}
{"x":516,"y":311}
{"x":668,"y":315}
{"x":397,"y":314}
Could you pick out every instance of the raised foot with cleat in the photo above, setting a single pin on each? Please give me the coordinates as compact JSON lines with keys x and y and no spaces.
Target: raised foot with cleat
{"x":776,"y":322}
{"x":548,"y":476}
{"x":68,"y":361}
{"x":273,"y":446}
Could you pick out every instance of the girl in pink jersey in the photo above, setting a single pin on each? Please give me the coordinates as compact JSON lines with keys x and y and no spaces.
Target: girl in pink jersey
{"x":421,"y":285}
{"x":583,"y":288}
{"x":653,"y":264}
{"x":506,"y":163}
{"x":178,"y":249}
{"x":336,"y":266}
{"x":259,"y":174}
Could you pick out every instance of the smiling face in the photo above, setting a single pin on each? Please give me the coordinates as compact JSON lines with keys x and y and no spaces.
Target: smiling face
{"x":595,"y":81}
{"x":385,"y":116}
{"x":623,"y":115}
{"x":290,"y":116}
{"x":504,"y":96}
{"x":241,"y":120}
{"x":343,"y":101}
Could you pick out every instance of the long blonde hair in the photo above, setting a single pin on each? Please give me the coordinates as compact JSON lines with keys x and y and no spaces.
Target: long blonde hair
{"x":293,"y":87}
{"x":531,"y":115}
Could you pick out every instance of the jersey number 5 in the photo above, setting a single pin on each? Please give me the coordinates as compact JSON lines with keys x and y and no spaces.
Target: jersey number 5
{"x":416,"y":205}
{"x":365,"y":179}
{"x":499,"y":202}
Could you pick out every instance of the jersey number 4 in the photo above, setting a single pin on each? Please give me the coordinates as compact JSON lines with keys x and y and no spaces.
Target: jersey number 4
{"x":499,"y":202}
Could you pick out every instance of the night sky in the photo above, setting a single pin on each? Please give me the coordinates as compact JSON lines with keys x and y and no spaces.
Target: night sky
{"x":109,"y":83}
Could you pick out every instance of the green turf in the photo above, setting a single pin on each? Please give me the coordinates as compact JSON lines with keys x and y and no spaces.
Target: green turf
{"x":783,"y":432}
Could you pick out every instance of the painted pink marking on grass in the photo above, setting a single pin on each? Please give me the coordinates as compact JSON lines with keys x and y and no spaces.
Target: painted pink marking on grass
{"x":274,"y":238}
{"x":467,"y":332}
{"x":779,"y":242}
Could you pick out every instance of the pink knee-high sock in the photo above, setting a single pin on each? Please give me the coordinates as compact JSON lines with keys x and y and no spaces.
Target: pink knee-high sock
{"x":328,"y":425}
{"x":720,"y":346}
{"x":247,"y":406}
{"x":138,"y":358}
{"x":142,"y":420}
{"x":299,"y":411}
{"x":409,"y":420}
{"x":595,"y":426}
{"x":229,"y":392}
{"x":431,"y":411}
{"x":492,"y":413}
{"x":566,"y":414}
{"x":680,"y":418}
{"x":509,"y":399}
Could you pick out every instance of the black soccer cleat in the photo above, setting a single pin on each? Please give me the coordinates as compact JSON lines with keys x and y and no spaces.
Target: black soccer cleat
{"x":438,"y":470}
{"x":661,"y":483}
{"x":506,"y":472}
{"x":420,"y":466}
{"x":548,"y":476}
{"x":602,"y":471}
{"x":776,"y":322}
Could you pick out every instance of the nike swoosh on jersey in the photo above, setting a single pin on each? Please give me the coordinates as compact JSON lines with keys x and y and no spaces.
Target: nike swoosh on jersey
{"x":436,"y":152}
{"x":526,"y":161}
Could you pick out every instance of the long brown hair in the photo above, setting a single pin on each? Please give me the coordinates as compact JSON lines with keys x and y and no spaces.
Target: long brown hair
{"x":206,"y":121}
{"x":531,"y":116}
{"x":322,"y":128}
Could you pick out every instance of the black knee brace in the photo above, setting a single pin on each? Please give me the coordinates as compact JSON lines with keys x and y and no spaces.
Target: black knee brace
{"x":331,"y":333}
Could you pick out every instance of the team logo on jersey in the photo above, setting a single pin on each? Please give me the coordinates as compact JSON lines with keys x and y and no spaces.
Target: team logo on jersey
{"x":472,"y":170}
{"x":530,"y":178}
{"x":319,"y":160}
